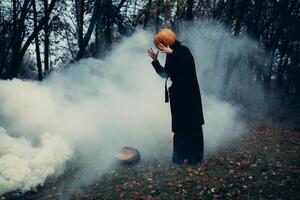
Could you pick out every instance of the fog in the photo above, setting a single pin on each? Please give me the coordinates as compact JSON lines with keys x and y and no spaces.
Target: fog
{"x":84,"y":112}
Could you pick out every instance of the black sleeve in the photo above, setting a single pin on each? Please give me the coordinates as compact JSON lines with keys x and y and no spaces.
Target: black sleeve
{"x":161,"y":71}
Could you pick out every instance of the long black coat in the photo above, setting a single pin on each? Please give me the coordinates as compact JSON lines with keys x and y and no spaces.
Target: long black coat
{"x":184,"y":93}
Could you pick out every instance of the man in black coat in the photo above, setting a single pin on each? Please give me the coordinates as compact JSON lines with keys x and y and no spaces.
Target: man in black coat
{"x":185,"y":101}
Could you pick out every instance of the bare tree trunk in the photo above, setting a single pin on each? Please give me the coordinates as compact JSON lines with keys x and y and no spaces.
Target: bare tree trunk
{"x":79,"y":6}
{"x":19,"y":50}
{"x":253,"y":27}
{"x":46,"y":41}
{"x":109,"y":15}
{"x":157,"y":24}
{"x":242,"y":9}
{"x":37,"y":45}
{"x":147,"y":14}
{"x":17,"y":38}
{"x":3,"y":51}
{"x":218,"y":7}
{"x":189,"y":10}
{"x":228,"y":19}
{"x":84,"y":40}
{"x":97,"y":39}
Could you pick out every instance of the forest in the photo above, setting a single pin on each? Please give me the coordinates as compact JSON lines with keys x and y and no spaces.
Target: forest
{"x":76,"y":85}
{"x":38,"y":36}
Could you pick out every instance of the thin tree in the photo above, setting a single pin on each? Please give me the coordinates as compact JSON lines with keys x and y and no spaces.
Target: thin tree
{"x":37,"y":44}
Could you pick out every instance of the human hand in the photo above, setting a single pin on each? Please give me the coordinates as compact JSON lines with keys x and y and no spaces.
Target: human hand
{"x":152,"y":54}
{"x":164,"y":49}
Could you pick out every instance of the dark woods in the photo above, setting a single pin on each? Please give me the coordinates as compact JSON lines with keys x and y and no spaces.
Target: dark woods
{"x":38,"y":35}
{"x":275,"y":25}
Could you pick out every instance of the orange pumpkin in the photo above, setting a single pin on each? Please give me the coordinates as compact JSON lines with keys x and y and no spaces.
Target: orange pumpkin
{"x":157,"y":39}
{"x":165,"y":36}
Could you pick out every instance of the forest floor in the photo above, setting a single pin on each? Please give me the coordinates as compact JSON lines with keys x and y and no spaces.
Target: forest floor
{"x":264,"y":164}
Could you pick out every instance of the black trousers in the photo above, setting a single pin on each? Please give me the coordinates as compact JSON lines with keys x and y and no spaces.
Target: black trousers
{"x":188,"y":146}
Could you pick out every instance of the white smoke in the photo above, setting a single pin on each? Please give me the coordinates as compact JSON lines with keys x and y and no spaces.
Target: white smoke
{"x":92,"y":108}
{"x":23,"y":165}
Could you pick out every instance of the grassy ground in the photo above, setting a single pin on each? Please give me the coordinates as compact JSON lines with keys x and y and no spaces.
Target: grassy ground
{"x":262,"y":165}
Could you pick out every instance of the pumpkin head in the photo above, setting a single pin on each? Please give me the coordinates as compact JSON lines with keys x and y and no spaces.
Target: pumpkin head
{"x":157,"y":40}
{"x":165,"y":36}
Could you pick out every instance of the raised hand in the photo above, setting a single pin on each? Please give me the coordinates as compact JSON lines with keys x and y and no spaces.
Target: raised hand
{"x":152,"y":54}
{"x":164,"y":49}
